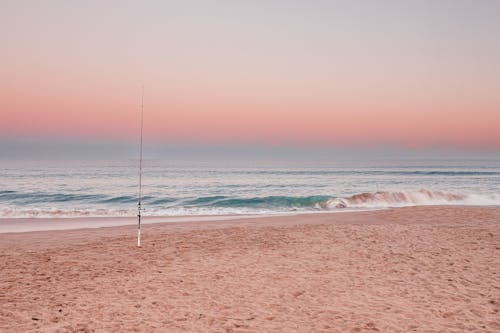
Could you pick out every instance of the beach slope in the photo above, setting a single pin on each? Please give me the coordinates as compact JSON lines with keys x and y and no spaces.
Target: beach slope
{"x":423,"y":269}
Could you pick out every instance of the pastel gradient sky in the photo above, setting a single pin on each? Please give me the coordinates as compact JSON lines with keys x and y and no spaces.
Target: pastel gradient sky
{"x":308,"y":73}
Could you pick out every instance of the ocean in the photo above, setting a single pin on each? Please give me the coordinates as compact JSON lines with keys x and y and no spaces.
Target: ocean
{"x":44,"y":189}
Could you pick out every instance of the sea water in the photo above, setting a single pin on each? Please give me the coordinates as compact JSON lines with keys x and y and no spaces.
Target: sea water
{"x":175,"y":188}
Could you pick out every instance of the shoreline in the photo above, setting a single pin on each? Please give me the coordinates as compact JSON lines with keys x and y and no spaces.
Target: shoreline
{"x":21,"y":225}
{"x":35,"y":224}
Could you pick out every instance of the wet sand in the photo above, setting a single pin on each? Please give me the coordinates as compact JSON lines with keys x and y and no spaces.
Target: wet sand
{"x":422,"y":269}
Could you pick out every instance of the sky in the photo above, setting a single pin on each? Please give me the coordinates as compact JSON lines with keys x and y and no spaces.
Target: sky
{"x":319,"y":74}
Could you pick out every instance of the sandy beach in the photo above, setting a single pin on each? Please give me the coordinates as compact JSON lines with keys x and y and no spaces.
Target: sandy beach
{"x":420,"y":269}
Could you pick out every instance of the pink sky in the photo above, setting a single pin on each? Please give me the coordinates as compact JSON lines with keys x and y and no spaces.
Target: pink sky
{"x":305,"y":73}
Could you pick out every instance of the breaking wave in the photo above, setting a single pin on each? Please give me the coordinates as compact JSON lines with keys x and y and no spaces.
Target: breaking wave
{"x":100,"y":205}
{"x":409,"y":198}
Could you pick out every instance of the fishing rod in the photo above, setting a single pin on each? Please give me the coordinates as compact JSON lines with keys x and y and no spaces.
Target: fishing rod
{"x":139,"y":208}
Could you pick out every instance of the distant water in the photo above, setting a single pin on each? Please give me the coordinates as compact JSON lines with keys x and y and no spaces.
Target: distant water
{"x":109,"y":188}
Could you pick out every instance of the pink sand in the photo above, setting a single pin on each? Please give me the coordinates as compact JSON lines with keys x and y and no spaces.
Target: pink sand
{"x":423,"y":269}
